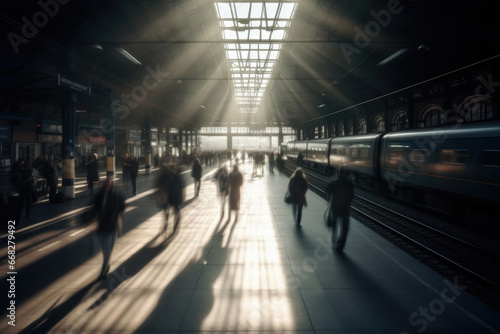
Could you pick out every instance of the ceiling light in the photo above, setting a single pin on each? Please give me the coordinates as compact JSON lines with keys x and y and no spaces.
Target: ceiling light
{"x":393,"y":56}
{"x":127,"y":55}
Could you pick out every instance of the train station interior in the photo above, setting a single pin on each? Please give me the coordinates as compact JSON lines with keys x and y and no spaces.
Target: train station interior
{"x":117,"y":103}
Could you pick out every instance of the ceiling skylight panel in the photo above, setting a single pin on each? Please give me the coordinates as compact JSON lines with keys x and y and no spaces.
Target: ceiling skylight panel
{"x":251,"y":64}
{"x":256,"y":12}
{"x":242,"y":10}
{"x":271,"y":9}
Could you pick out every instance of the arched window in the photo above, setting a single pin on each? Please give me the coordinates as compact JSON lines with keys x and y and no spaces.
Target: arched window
{"x":432,"y":115}
{"x":378,"y":124}
{"x":399,"y":121}
{"x":477,"y":108}
{"x":361,"y":127}
{"x":350,"y":127}
{"x":341,"y":129}
{"x":333,"y":132}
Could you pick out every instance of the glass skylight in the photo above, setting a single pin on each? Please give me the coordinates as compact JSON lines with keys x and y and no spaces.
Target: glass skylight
{"x":248,"y":28}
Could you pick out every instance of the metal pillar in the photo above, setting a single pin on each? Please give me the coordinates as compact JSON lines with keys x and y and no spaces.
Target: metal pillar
{"x":147,"y":137}
{"x":68,"y":145}
{"x":110,"y":141}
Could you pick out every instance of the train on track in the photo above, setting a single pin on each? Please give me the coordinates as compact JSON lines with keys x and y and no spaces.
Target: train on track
{"x":452,"y":168}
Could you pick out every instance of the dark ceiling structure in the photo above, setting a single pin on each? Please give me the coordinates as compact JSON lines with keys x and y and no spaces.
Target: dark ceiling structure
{"x":168,"y":57}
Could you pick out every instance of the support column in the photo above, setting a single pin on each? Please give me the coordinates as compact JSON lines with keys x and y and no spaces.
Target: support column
{"x":168,"y":141}
{"x":229,"y":139}
{"x":68,"y":145}
{"x":110,"y":141}
{"x":147,"y":137}
{"x":280,"y":137}
{"x":68,"y":140}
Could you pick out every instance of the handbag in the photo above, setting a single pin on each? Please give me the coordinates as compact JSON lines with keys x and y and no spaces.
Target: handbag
{"x":328,"y":217}
{"x":289,"y":197}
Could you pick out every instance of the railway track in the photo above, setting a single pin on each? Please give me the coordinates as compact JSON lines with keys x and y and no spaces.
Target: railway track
{"x":451,"y":251}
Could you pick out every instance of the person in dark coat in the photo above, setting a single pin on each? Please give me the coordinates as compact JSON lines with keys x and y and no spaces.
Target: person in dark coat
{"x":222,"y":178}
{"x":271,"y":162}
{"x":126,"y":172}
{"x":24,"y":179}
{"x":196,"y":174}
{"x":134,"y":170}
{"x":235,"y":183}
{"x":298,"y":187}
{"x":109,"y":205}
{"x":340,"y":193}
{"x":171,"y":190}
{"x":92,"y":172}
{"x":51,"y":171}
{"x":300,"y":159}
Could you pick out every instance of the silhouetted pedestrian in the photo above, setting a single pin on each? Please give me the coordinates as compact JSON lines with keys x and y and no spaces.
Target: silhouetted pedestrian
{"x":24,"y":180}
{"x":196,"y":172}
{"x":300,"y":159}
{"x":171,"y":190}
{"x":126,"y":172}
{"x":51,"y":171}
{"x":271,"y":162}
{"x":298,"y":187}
{"x":340,"y":193}
{"x":134,"y":171}
{"x":222,"y":178}
{"x":92,"y":172}
{"x":235,"y":183}
{"x":109,"y":205}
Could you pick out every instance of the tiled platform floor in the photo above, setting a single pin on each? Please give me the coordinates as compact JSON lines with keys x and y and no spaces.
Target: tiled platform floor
{"x":257,"y":274}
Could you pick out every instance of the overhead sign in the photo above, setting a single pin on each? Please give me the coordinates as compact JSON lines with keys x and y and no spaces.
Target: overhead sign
{"x":67,"y":82}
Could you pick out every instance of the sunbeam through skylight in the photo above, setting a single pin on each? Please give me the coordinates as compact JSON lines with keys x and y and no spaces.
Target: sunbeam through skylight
{"x":252,"y":31}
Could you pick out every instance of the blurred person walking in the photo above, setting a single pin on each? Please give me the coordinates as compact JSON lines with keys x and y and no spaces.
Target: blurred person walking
{"x":170,"y":193}
{"x":92,"y":172}
{"x":339,"y":194}
{"x":298,"y":187}
{"x":235,"y":183}
{"x":271,"y":162}
{"x":126,"y":172}
{"x":222,"y":178}
{"x":109,"y":205}
{"x":51,"y":172}
{"x":134,"y":170}
{"x":196,"y":172}
{"x":24,"y":180}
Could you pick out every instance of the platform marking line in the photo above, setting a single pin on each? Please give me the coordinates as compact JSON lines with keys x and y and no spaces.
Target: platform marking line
{"x":478,"y":320}
{"x":77,"y":232}
{"x":48,"y":246}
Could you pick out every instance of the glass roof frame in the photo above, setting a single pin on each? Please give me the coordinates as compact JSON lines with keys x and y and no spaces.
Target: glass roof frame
{"x":250,"y":26}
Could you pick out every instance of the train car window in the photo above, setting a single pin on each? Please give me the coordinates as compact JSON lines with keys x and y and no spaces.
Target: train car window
{"x":396,"y":155}
{"x":454,"y":156}
{"x":354,"y":152}
{"x":490,"y":158}
{"x":347,"y":152}
{"x":363,"y":153}
{"x":419,"y":156}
